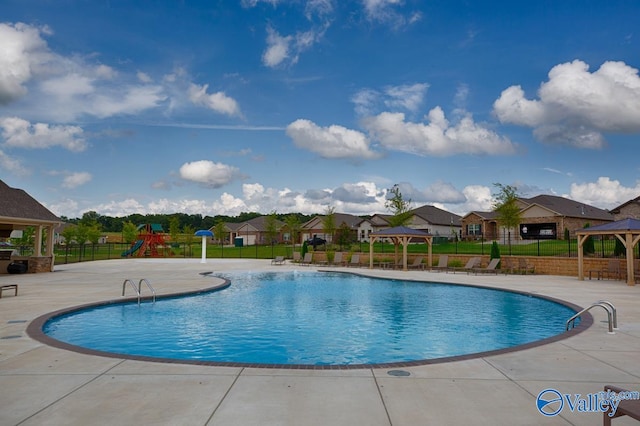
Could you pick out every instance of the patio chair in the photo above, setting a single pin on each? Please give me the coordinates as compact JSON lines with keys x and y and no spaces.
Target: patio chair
{"x":278,"y":260}
{"x":507,"y":266}
{"x":338,"y":260}
{"x":443,"y":263}
{"x":296,"y":257}
{"x":355,"y":260}
{"x":470,"y":266}
{"x":417,"y":263}
{"x":491,"y":268}
{"x":307,"y":260}
{"x":614,"y":269}
{"x":627,"y":407}
{"x":9,"y":287}
{"x":524,"y":267}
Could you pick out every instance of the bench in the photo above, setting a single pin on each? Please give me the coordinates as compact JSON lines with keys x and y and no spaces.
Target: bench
{"x":627,"y":407}
{"x":9,"y":287}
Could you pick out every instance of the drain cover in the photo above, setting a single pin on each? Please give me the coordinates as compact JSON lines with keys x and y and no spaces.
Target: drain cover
{"x":398,"y":373}
{"x":10,"y":337}
{"x":16,"y":321}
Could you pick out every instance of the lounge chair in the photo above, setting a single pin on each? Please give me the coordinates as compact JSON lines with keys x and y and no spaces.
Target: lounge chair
{"x":338,"y":260}
{"x":524,"y":267}
{"x":627,"y":407}
{"x":307,"y":260}
{"x":355,"y":260}
{"x":417,"y":263}
{"x":613,"y":269}
{"x":491,"y":268}
{"x":443,"y":263}
{"x":507,"y":266}
{"x":470,"y":266}
{"x":296,"y":257}
{"x":279,"y":260}
{"x":9,"y":287}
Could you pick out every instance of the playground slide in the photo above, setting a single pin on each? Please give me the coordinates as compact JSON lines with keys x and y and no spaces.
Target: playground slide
{"x":133,"y":248}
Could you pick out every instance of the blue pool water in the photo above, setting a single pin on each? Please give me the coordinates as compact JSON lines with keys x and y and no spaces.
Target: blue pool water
{"x":316,"y":319}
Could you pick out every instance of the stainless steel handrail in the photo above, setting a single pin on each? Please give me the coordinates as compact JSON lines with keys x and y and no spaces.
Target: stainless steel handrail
{"x":146,"y":281}
{"x":607,"y":306}
{"x":613,"y":311}
{"x":136,"y":289}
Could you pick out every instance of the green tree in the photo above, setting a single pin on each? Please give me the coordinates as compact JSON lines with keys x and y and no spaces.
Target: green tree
{"x":495,"y":251}
{"x":343,"y":235}
{"x":588,"y":246}
{"x":399,"y":207}
{"x":505,"y":204}
{"x":220,"y":231}
{"x":271,"y":228}
{"x":189,"y":232}
{"x":129,"y":232}
{"x":292,"y":222}
{"x":329,"y":222}
{"x":174,"y":228}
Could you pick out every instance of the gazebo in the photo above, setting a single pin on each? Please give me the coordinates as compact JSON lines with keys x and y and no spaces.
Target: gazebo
{"x":400,"y":235}
{"x":625,"y":230}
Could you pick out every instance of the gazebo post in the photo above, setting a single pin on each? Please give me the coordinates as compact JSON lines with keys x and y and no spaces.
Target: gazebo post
{"x":629,"y":243}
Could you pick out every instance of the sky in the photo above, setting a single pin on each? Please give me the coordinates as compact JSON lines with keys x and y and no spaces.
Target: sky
{"x":221,"y":107}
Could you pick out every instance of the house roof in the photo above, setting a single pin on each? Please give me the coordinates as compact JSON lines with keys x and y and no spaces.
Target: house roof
{"x":625,"y":204}
{"x":348,"y":219}
{"x":437,"y":216}
{"x":628,"y":224}
{"x":566,"y":207}
{"x":257,"y":224}
{"x":483,"y":215}
{"x":400,"y":230}
{"x":18,"y":207}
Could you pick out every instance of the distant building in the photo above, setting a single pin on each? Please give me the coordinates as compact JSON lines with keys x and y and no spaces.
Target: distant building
{"x":543,"y":217}
{"x":630,"y":209}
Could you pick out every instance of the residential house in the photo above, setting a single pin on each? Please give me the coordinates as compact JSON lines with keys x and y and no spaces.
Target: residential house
{"x":427,"y":218}
{"x":254,"y":231}
{"x":355,"y":224}
{"x":630,"y":209}
{"x":543,"y":217}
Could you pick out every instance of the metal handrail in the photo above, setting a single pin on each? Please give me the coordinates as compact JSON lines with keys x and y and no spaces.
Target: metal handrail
{"x":604,"y":305}
{"x":613,"y":311}
{"x":146,"y":281}
{"x":136,"y":289}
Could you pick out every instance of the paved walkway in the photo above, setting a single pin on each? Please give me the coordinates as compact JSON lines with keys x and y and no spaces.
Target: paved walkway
{"x":42,"y":385}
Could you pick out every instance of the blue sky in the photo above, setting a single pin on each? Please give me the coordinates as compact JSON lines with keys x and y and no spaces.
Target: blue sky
{"x":219,"y":107}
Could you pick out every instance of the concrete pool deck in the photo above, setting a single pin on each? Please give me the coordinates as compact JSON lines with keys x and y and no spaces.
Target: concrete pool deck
{"x":44,"y":385}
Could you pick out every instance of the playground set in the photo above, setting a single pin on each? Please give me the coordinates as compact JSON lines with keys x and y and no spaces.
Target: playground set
{"x":151,"y":238}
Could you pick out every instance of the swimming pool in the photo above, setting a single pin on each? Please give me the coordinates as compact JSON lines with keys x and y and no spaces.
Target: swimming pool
{"x":317,"y":319}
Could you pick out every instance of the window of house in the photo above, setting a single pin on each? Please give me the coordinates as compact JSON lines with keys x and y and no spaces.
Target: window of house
{"x":474,"y":229}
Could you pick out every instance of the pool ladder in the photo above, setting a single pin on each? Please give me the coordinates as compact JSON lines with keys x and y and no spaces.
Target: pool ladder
{"x":612,"y":315}
{"x":138,"y":289}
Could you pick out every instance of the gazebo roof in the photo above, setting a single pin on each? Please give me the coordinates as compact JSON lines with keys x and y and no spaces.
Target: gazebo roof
{"x":628,"y":224}
{"x":400,"y":230}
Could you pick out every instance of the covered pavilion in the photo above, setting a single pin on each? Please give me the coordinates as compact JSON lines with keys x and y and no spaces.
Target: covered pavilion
{"x":401,"y":235}
{"x":625,"y":230}
{"x":18,"y":210}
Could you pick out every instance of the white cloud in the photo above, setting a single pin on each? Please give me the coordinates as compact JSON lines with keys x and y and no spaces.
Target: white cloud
{"x":286,"y":50}
{"x":277,"y":48}
{"x":436,"y":137}
{"x":386,"y":12}
{"x":12,"y":165}
{"x":575,"y":106}
{"x":604,"y":193}
{"x":208,"y":173}
{"x":330,"y":142}
{"x":218,"y":102}
{"x":76,"y":179}
{"x":23,"y":51}
{"x":406,"y":96}
{"x":20,"y":133}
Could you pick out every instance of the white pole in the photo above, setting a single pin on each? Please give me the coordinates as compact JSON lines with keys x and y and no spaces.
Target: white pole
{"x":204,"y":249}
